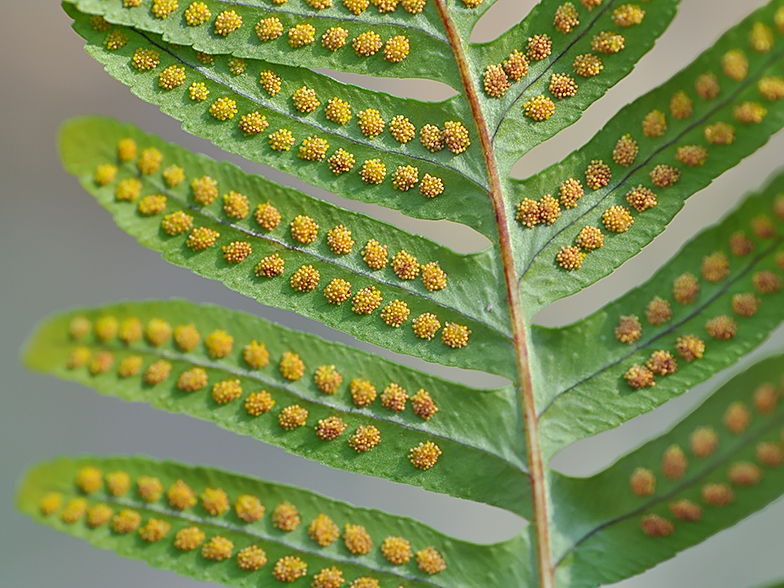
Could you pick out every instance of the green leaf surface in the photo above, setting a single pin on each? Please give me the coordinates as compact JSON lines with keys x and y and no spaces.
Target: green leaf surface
{"x":482,"y":459}
{"x":430,"y":55}
{"x":513,"y":133}
{"x":587,"y":392}
{"x":464,"y":198}
{"x":473,"y":282}
{"x":503,"y":563}
{"x":541,"y":279}
{"x":600,"y":540}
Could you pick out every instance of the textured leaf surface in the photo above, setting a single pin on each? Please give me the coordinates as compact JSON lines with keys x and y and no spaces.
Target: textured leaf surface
{"x":587,"y":393}
{"x":497,"y":563}
{"x":464,"y":198}
{"x":541,"y":280}
{"x":514,"y":133}
{"x":430,"y":57}
{"x":601,"y":537}
{"x":472,"y":296}
{"x":482,"y":450}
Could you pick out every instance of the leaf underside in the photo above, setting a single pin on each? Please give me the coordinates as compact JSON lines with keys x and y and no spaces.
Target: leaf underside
{"x":474,"y":429}
{"x":54,"y":484}
{"x":648,"y":346}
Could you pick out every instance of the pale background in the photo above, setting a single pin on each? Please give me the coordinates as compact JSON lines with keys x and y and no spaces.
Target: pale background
{"x":59,"y":249}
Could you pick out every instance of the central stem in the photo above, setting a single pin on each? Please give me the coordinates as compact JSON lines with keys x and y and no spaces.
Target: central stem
{"x":519,"y":330}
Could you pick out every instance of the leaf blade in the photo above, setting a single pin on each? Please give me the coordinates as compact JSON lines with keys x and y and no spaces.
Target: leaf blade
{"x":595,"y":340}
{"x":89,"y":143}
{"x":247,"y":94}
{"x":538,"y":247}
{"x":620,"y":533}
{"x":465,"y":428}
{"x":58,"y":476}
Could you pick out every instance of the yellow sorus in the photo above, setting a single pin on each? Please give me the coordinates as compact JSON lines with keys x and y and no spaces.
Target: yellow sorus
{"x":253,"y":123}
{"x":373,"y":171}
{"x":338,"y":111}
{"x":405,"y":177}
{"x":285,"y":517}
{"x":259,"y":403}
{"x":192,"y":380}
{"x":357,"y":539}
{"x":588,"y":65}
{"x":89,"y":479}
{"x":154,"y":530}
{"x":301,"y":35}
{"x":187,"y":337}
{"x":150,"y":488}
{"x":267,"y":216}
{"x":496,"y":82}
{"x":157,"y":372}
{"x":455,"y":335}
{"x":370,"y":123}
{"x":539,"y":47}
{"x":367,"y":44}
{"x":323,"y":530}
{"x":181,"y":496}
{"x":128,"y":190}
{"x":189,"y":538}
{"x":289,"y":568}
{"x":339,"y":240}
{"x":268,"y":29}
{"x":270,"y":266}
{"x":219,"y":343}
{"x":217,"y":548}
{"x":402,"y":129}
{"x":249,"y":508}
{"x":366,"y":300}
{"x":255,"y":354}
{"x":365,"y":438}
{"x":330,"y":428}
{"x":397,"y":49}
{"x":226,"y":391}
{"x":126,"y":521}
{"x":236,"y":205}
{"x":223,"y":108}
{"x":396,"y":550}
{"x":426,"y":326}
{"x":115,"y":40}
{"x":291,"y":366}
{"x":313,"y":148}
{"x":215,"y":501}
{"x":105,"y":174}
{"x":197,"y":14}
{"x":334,"y":38}
{"x":176,"y":223}
{"x":431,"y":186}
{"x":201,"y":238}
{"x":270,"y":82}
{"x":251,"y":558}
{"x":163,"y":8}
{"x":281,"y":140}
{"x":425,"y":455}
{"x":149,"y":161}
{"x":227,"y":22}
{"x":198,"y":91}
{"x":430,"y":561}
{"x":362,"y":391}
{"x":292,"y":417}
{"x":338,"y":291}
{"x":395,"y":313}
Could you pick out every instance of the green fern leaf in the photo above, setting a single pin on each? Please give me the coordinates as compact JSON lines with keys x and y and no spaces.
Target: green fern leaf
{"x":728,"y":282}
{"x":716,"y":467}
{"x":245,"y":374}
{"x":738,"y":119}
{"x":200,"y":529}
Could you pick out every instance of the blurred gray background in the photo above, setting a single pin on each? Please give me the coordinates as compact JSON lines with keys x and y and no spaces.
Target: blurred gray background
{"x":60,"y":249}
